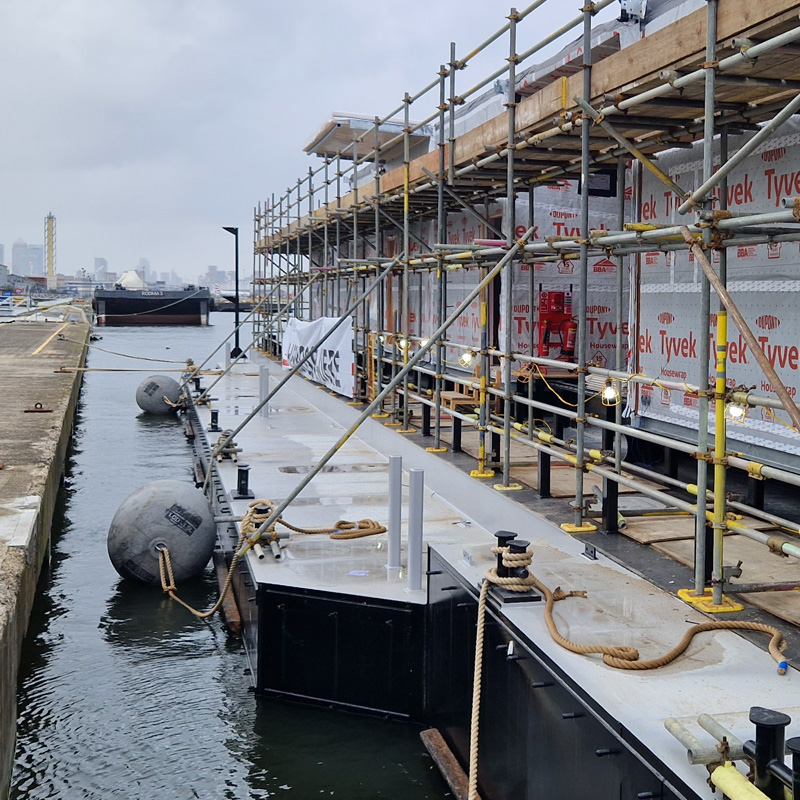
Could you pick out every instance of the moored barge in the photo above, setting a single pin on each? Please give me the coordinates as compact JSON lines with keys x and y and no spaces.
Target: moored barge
{"x":120,"y":306}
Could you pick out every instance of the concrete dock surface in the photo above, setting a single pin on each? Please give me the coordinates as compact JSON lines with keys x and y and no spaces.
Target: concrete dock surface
{"x":38,"y":409}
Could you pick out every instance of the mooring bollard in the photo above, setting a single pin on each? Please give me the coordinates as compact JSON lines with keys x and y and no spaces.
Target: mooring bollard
{"x":395,"y":511}
{"x":416,"y":481}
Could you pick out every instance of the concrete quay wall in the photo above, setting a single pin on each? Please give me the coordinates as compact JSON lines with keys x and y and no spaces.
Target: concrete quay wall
{"x":33,"y":447}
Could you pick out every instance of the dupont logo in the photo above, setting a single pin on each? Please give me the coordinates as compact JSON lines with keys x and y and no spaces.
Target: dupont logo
{"x":767,"y":322}
{"x":776,"y":154}
{"x":665,"y":318}
{"x":604,"y":265}
{"x":597,"y":309}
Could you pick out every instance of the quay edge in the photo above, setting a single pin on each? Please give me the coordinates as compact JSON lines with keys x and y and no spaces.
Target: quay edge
{"x":33,"y":449}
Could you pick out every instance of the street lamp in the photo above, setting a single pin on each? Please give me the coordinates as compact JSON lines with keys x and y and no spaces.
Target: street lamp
{"x":237,"y":351}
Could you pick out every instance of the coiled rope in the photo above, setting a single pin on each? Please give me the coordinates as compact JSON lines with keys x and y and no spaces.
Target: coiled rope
{"x":257,"y":514}
{"x":619,"y":657}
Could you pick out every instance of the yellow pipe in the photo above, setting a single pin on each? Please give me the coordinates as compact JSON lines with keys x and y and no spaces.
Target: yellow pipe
{"x":735,"y":785}
{"x":719,"y":448}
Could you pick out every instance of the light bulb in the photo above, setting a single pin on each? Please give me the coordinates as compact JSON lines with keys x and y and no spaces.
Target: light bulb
{"x":735,"y":412}
{"x":423,"y":342}
{"x":402,"y":343}
{"x":467,"y":357}
{"x":610,"y":394}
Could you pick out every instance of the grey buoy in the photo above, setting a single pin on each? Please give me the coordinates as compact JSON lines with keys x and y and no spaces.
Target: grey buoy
{"x":151,"y":393}
{"x":171,"y":513}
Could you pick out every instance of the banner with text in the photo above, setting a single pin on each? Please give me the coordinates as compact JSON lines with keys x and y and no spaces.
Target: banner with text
{"x":332,"y":365}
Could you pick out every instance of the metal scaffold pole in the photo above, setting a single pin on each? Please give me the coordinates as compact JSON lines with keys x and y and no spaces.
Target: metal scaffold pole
{"x":508,"y":275}
{"x":441,"y":274}
{"x":405,"y":325}
{"x":703,"y":349}
{"x":579,"y":524}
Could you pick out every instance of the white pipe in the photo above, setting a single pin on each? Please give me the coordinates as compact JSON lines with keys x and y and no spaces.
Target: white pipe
{"x":263,"y":388}
{"x":416,"y":481}
{"x":395,"y":508}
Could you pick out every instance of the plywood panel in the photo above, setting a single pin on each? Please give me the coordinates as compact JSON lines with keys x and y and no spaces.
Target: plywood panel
{"x":759,"y":564}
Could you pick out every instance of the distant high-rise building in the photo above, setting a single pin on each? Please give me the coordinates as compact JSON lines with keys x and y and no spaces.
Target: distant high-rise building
{"x":27,"y":259}
{"x":36,"y":259}
{"x":100,"y":263}
{"x":2,"y":254}
{"x":19,"y":257}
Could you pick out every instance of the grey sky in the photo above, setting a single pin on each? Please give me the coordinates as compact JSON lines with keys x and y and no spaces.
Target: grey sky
{"x":145,"y":125}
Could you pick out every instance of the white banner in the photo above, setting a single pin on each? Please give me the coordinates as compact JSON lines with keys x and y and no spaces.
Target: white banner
{"x":332,"y":365}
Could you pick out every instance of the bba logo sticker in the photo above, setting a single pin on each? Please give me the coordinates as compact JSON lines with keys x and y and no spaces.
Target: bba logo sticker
{"x":665,"y":318}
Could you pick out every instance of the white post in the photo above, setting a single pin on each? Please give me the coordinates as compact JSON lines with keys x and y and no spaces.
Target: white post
{"x":263,"y":388}
{"x":416,"y":489}
{"x":227,"y":355}
{"x":395,"y":511}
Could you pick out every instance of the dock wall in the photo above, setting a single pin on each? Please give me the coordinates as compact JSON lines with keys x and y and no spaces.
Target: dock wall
{"x":33,"y":449}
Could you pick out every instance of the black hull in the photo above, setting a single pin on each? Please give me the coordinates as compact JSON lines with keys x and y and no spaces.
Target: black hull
{"x":123,"y":308}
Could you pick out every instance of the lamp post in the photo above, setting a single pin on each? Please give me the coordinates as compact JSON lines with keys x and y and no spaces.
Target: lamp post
{"x":237,"y":351}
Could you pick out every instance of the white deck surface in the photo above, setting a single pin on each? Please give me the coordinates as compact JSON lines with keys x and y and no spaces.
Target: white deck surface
{"x":721,"y":674}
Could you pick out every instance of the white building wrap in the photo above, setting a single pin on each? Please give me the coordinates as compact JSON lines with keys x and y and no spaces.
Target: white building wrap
{"x":764,"y":281}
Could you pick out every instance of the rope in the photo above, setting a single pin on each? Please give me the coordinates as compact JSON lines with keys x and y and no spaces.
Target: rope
{"x":114,"y":352}
{"x":251,"y":521}
{"x":619,"y":657}
{"x":180,"y":404}
{"x":257,"y":514}
{"x":342,"y":529}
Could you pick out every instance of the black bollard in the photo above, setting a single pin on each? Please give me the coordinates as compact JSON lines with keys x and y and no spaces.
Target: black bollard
{"x":769,"y":746}
{"x":214,"y":426}
{"x":242,"y":483}
{"x":503,"y":539}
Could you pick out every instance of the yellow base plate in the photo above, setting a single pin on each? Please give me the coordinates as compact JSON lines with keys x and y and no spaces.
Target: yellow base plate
{"x":380,"y":416}
{"x":512,"y":487}
{"x":435,"y":449}
{"x":354,"y":403}
{"x":393,"y":424}
{"x":406,"y":430}
{"x":476,"y":473}
{"x":570,"y":527}
{"x":705,"y":602}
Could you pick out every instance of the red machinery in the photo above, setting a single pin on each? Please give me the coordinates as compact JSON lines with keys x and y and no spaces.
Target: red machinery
{"x":555,"y":319}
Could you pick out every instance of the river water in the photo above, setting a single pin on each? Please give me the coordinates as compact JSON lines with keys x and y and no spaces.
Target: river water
{"x":122,"y":692}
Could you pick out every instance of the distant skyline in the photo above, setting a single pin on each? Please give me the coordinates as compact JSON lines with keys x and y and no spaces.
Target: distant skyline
{"x":144,"y":126}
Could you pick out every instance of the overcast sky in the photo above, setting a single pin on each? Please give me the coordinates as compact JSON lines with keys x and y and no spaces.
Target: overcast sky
{"x":145,"y":125}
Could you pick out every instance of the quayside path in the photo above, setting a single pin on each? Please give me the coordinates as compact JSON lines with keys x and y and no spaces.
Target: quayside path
{"x":37,"y":409}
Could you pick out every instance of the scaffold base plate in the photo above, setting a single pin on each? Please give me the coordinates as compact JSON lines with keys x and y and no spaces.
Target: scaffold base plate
{"x":571,"y":527}
{"x":705,"y":602}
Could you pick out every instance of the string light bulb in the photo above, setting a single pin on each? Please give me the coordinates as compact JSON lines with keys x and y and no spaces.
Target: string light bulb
{"x":467,"y":357}
{"x":735,"y":412}
{"x":610,"y":393}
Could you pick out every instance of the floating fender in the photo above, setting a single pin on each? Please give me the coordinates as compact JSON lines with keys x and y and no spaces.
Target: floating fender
{"x":171,"y":513}
{"x":152,"y":391}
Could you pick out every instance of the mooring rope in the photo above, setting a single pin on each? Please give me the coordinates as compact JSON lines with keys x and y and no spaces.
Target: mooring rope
{"x":619,"y":657}
{"x":257,"y":514}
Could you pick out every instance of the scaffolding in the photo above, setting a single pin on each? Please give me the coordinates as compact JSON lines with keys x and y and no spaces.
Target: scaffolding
{"x":321,"y":251}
